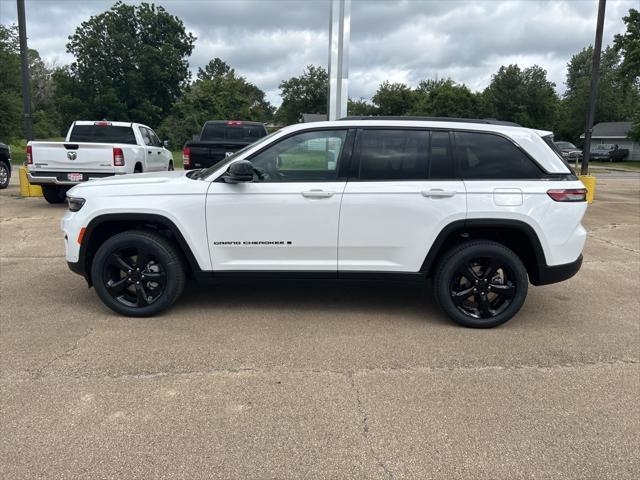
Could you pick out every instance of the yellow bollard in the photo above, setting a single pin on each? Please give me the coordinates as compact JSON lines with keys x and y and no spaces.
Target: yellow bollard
{"x":589,"y":182}
{"x":26,"y":189}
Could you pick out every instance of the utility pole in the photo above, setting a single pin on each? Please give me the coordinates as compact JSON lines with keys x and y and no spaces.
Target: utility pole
{"x":595,"y":72}
{"x":24,"y":60}
{"x":339,"y":33}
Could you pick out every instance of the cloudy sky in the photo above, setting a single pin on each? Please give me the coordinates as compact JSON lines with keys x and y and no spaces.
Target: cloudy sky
{"x":404,"y":40}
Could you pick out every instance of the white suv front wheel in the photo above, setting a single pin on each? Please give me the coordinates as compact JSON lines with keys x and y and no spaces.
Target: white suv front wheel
{"x":481,"y":284}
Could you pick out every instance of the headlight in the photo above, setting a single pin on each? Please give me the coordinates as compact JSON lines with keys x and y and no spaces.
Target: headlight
{"x":75,"y":204}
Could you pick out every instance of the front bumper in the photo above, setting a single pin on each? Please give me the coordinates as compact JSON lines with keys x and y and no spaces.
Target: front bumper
{"x":556,"y":273}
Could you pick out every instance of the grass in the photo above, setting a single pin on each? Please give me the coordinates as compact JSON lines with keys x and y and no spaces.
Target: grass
{"x":627,"y":165}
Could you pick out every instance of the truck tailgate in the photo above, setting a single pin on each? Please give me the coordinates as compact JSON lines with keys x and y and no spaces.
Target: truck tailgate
{"x":205,"y":154}
{"x":73,"y":157}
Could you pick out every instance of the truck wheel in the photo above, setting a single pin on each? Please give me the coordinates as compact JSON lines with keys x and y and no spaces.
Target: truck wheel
{"x":138,"y":273}
{"x":481,"y":284}
{"x":137,"y":168}
{"x":5,"y":175}
{"x":170,"y":167}
{"x":54,"y":194}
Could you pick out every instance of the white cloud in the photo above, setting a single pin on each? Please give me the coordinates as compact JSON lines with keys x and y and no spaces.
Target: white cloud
{"x":271,"y":40}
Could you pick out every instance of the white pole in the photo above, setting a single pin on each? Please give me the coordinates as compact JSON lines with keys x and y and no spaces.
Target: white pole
{"x":339,"y":33}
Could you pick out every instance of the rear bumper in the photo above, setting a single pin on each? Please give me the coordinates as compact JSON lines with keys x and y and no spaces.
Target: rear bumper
{"x":557,"y":273}
{"x":59,"y":178}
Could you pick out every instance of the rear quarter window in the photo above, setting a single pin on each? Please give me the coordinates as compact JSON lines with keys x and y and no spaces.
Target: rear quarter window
{"x":489,"y":156}
{"x":102,"y":134}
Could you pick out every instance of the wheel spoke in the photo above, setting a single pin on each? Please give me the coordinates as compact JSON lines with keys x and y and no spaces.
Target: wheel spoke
{"x":491,"y":269}
{"x":483,"y":305}
{"x":468,"y":273}
{"x":158,"y":277}
{"x":141,"y":295}
{"x":116,"y":260}
{"x":115,"y":288}
{"x":507,"y":291}
{"x":459,"y":297}
{"x":142,"y":260}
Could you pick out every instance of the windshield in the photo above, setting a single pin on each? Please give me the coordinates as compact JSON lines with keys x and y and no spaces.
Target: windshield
{"x":604,"y":146}
{"x":102,"y":133}
{"x":235,"y":155}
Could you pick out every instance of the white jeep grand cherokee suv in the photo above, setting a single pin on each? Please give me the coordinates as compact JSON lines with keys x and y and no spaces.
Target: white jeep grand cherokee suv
{"x":481,"y":207}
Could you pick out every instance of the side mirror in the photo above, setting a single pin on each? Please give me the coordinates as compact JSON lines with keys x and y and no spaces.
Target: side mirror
{"x":238,"y":172}
{"x":166,"y":144}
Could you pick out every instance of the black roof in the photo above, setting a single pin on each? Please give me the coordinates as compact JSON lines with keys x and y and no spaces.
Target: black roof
{"x":611,"y":129}
{"x":489,"y":121}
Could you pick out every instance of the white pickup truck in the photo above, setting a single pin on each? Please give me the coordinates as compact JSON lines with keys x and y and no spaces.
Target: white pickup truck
{"x":94,"y":150}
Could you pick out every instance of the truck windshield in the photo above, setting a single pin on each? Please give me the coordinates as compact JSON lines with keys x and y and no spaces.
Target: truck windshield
{"x":232,"y":131}
{"x":102,"y":134}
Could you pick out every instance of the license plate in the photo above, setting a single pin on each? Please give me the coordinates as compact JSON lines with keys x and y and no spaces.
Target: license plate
{"x":74,"y":177}
{"x":226,"y":154}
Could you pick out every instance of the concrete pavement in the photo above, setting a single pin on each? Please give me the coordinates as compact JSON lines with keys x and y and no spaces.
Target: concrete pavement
{"x":319,"y":380}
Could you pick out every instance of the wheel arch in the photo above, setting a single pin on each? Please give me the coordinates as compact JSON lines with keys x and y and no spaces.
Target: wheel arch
{"x":106,"y":226}
{"x":514,"y":234}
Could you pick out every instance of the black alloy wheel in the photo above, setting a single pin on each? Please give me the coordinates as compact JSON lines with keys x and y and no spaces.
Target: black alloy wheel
{"x":134,"y":277}
{"x":138,"y":273}
{"x":481,"y":284}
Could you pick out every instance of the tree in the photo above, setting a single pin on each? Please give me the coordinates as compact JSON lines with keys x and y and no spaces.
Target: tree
{"x":393,"y":99}
{"x":628,"y":45}
{"x":218,"y":93}
{"x":10,"y":87}
{"x":361,"y":107}
{"x":445,"y":98}
{"x":304,"y":94}
{"x":617,"y":101}
{"x":522,"y":96}
{"x":130,"y":62}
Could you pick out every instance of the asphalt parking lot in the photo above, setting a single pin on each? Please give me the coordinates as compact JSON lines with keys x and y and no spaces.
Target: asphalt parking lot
{"x":317,"y":380}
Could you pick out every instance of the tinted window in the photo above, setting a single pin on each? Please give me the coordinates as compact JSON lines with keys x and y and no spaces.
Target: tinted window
{"x":151,"y":137}
{"x":225,"y":131}
{"x":308,"y":156}
{"x":484,"y":155}
{"x":393,"y":154}
{"x":102,"y":134}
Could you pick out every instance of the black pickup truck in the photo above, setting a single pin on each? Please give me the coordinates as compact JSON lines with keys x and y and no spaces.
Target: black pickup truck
{"x":608,"y":152}
{"x":219,"y":139}
{"x":5,"y":165}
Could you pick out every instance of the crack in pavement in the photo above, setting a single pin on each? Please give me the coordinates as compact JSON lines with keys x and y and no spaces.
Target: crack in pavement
{"x":614,"y":244}
{"x":39,"y":373}
{"x":365,"y":427}
{"x":346,"y":373}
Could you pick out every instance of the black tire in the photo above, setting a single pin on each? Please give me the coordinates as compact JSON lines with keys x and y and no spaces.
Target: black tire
{"x":480,"y":284}
{"x":117,"y":266}
{"x":5,"y":175}
{"x":137,"y":168}
{"x":170,"y":167}
{"x":54,"y":194}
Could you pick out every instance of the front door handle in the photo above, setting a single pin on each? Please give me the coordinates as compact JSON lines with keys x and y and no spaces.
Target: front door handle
{"x":159,"y":153}
{"x":318,"y":194}
{"x":438,"y":193}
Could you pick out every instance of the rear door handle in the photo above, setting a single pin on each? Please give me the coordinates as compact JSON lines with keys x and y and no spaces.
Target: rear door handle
{"x":149,"y":152}
{"x":318,"y":194}
{"x":438,"y":193}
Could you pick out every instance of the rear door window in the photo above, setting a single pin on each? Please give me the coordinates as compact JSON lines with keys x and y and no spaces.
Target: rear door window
{"x":393,"y":154}
{"x":489,"y":156}
{"x":102,"y":134}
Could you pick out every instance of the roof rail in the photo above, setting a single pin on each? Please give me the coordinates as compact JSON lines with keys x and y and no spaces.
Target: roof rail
{"x":490,"y":121}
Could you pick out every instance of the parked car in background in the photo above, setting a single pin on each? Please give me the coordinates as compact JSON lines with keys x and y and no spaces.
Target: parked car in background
{"x":218,"y":140}
{"x":569,"y":151}
{"x":608,"y":152}
{"x":94,"y":150}
{"x":480,"y":207}
{"x":5,"y":165}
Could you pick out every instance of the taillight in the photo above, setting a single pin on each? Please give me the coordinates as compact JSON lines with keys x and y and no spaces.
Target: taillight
{"x":29,"y":155}
{"x":118,"y":157}
{"x":568,"y":194}
{"x":102,"y":123}
{"x":234,"y":123}
{"x":186,"y":157}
